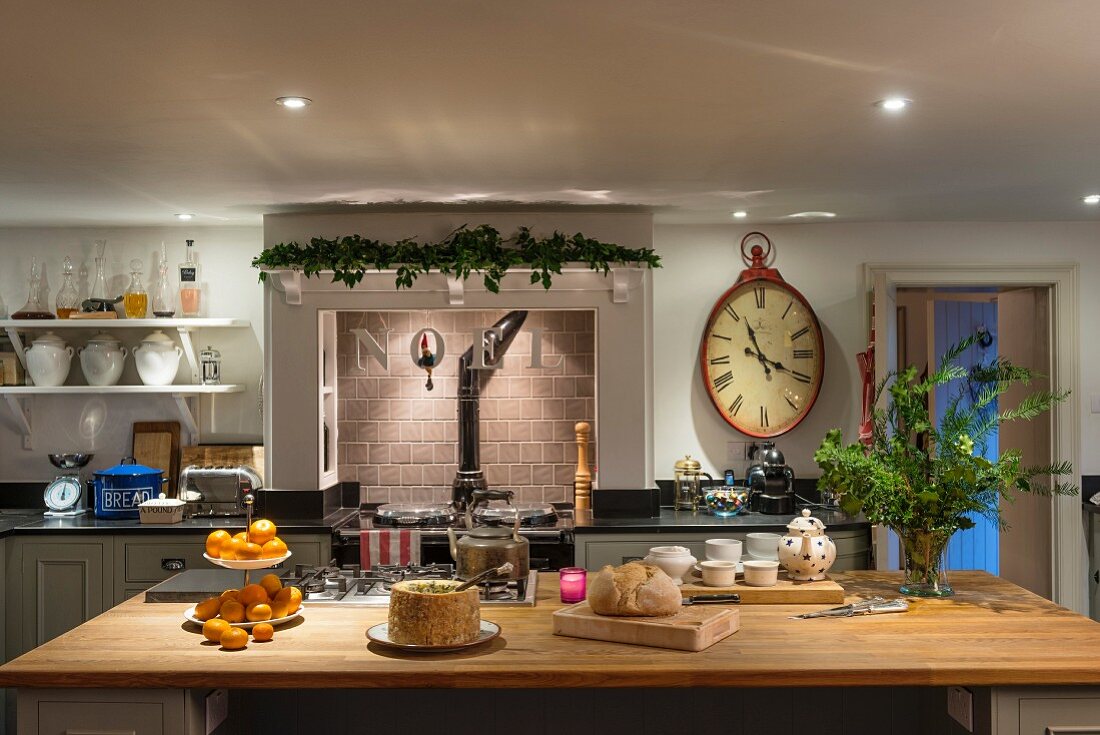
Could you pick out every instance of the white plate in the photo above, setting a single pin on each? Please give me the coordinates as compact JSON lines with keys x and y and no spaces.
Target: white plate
{"x":380,"y":634}
{"x":189,"y":613}
{"x":740,"y":568}
{"x":248,"y":563}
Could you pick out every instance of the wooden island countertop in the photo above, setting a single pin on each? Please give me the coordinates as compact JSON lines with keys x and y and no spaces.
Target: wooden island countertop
{"x":991,"y":633}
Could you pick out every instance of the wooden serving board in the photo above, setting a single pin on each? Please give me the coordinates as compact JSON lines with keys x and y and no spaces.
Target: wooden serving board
{"x":156,"y":444}
{"x":785,"y":592}
{"x":692,"y":629}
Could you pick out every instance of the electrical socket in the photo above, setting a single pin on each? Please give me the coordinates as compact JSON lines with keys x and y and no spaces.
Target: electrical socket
{"x":960,"y":705}
{"x":736,"y":452}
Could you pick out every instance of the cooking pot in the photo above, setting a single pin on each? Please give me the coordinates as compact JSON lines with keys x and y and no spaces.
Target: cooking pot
{"x":121,"y":489}
{"x":487,"y":547}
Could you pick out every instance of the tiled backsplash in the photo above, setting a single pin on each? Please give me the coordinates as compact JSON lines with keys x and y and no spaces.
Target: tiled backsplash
{"x":399,"y":440}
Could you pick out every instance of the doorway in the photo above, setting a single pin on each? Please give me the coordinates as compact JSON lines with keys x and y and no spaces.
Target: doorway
{"x":1014,"y":323}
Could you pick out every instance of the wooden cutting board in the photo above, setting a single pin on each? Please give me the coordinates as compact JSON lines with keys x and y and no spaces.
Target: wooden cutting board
{"x":692,"y":629}
{"x":157,"y":445}
{"x":785,"y":592}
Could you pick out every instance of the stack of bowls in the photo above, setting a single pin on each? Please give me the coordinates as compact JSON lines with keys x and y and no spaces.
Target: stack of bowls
{"x":720,"y":567}
{"x":762,"y":565}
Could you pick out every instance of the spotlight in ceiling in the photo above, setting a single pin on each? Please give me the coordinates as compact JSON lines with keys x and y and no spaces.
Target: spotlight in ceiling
{"x":893,"y":104}
{"x":185,"y":217}
{"x":293,"y":103}
{"x":812,"y":215}
{"x":1091,"y":199}
{"x":740,"y":214}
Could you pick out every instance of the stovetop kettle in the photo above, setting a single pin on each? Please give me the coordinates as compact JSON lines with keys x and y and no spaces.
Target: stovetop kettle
{"x":486,"y":547}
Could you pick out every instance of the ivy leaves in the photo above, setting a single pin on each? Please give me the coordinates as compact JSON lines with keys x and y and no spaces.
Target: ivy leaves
{"x":465,"y":251}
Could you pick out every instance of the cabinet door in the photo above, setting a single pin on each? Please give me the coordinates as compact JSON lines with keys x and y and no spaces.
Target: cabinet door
{"x":62,"y":583}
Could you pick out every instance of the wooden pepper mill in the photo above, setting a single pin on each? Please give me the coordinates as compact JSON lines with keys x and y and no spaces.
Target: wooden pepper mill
{"x":582,"y":480}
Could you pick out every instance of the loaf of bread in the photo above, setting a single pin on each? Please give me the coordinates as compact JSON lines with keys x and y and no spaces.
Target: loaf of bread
{"x":634,"y":589}
{"x":431,"y":613}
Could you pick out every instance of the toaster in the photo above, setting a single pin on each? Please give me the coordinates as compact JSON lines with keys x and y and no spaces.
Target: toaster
{"x":217,"y":491}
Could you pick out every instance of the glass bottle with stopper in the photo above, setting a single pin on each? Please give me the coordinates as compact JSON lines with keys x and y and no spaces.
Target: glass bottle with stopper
{"x":190,"y":283}
{"x":68,"y":300}
{"x":135,"y":301}
{"x":164,"y":298}
{"x":34,"y":308}
{"x":99,"y":285}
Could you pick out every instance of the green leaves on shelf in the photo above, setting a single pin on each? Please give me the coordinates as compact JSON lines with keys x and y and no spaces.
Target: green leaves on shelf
{"x":467,"y":250}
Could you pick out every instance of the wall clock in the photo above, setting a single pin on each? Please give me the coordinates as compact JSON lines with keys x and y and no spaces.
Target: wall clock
{"x":762,"y":354}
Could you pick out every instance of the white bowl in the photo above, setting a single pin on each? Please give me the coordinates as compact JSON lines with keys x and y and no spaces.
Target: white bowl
{"x":761,"y":572}
{"x":724,"y":549}
{"x":762,"y":545}
{"x":719,"y":573}
{"x":248,"y":563}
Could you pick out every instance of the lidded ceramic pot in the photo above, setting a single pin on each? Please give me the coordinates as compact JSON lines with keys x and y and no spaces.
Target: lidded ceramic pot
{"x":675,"y":561}
{"x":805,"y":551}
{"x":49,"y":360}
{"x":102,"y":360}
{"x":157,"y":359}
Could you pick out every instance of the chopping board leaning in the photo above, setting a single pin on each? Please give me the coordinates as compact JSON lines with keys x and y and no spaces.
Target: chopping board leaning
{"x":692,"y":629}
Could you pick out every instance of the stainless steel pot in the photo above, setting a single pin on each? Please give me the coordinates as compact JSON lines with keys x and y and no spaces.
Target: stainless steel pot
{"x":486,"y":547}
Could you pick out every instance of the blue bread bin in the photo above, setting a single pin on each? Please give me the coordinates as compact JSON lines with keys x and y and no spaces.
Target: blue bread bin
{"x":121,"y":489}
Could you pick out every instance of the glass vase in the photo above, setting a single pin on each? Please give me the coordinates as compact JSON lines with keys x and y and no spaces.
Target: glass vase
{"x":925,"y":555}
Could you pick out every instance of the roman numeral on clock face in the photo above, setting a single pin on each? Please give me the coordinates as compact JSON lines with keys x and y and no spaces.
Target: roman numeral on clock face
{"x":803,"y":354}
{"x":720,"y":360}
{"x":800,"y":377}
{"x":760,"y":296}
{"x":720,"y":336}
{"x":736,"y":405}
{"x":723,"y":380}
{"x":730,"y":310}
{"x":787,"y":310}
{"x":800,"y":333}
{"x":764,"y":416}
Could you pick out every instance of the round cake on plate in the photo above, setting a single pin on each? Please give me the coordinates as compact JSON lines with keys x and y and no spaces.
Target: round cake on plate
{"x":428,"y":612}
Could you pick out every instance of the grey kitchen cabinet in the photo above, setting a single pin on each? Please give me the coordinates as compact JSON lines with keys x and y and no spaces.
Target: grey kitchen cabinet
{"x":53,"y":584}
{"x":594,"y":550}
{"x":114,"y":711}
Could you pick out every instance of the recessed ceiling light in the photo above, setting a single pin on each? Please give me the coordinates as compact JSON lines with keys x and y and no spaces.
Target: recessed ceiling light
{"x":809,"y":215}
{"x":294,"y":103}
{"x":893,"y":104}
{"x":740,"y":214}
{"x":1091,"y":199}
{"x":185,"y":217}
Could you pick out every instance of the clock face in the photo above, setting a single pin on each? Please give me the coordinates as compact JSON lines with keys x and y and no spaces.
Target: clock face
{"x":763,"y":357}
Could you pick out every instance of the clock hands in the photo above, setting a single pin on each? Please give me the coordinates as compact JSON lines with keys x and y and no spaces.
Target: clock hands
{"x":757,"y":354}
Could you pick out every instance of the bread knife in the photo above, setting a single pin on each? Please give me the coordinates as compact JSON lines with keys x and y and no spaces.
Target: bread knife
{"x":708,"y":599}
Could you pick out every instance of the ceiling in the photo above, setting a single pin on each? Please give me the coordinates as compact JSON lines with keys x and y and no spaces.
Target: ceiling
{"x":129,"y":111}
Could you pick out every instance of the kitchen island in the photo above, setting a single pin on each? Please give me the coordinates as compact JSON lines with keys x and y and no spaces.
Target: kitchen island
{"x":1022,"y":657}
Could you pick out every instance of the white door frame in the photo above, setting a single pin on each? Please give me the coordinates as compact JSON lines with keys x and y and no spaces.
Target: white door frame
{"x":1069,"y":555}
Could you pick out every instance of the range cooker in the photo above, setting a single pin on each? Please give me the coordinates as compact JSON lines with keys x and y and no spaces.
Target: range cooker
{"x":548,"y":528}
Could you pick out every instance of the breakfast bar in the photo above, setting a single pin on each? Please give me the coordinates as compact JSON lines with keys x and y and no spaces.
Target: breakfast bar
{"x":1014,"y":651}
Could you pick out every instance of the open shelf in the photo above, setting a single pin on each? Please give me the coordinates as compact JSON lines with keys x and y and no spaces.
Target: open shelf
{"x":105,"y":324}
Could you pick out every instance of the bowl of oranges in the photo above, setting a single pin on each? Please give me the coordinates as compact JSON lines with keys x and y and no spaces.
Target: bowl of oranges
{"x":255,"y":548}
{"x":267,"y":602}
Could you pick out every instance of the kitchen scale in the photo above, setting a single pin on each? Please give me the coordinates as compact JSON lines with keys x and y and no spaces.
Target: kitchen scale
{"x":64,"y":496}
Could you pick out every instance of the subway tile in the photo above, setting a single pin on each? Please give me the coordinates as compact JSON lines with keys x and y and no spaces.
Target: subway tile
{"x":542,"y":431}
{"x":345,"y":387}
{"x":530,"y":453}
{"x":433,"y":431}
{"x":584,"y":343}
{"x":553,"y":452}
{"x":444,"y":410}
{"x":542,"y":474}
{"x":374,"y":495}
{"x":389,"y":387}
{"x":400,"y":453}
{"x":347,"y":473}
{"x":565,"y":387}
{"x":401,"y":410}
{"x":368,"y":474}
{"x":519,"y":387}
{"x":423,"y":409}
{"x":368,"y":431}
{"x":490,"y":408}
{"x":378,"y":410}
{"x":577,"y":321}
{"x":450,"y":431}
{"x":560,"y":343}
{"x":357,"y":453}
{"x":542,"y":387}
{"x":490,"y":452}
{"x":494,"y":431}
{"x":556,"y":494}
{"x":356,"y":410}
{"x":508,"y":453}
{"x":378,"y":454}
{"x":346,"y":431}
{"x":530,"y":408}
{"x":553,"y":408}
{"x":433,"y":474}
{"x":496,"y":475}
{"x":586,"y":387}
{"x":563,"y":474}
{"x":575,"y":364}
{"x":529,"y":495}
{"x":411,"y":431}
{"x":494,"y":386}
{"x":519,"y":431}
{"x":519,"y":474}
{"x":422,"y":453}
{"x":389,"y":475}
{"x":401,"y":494}
{"x":553,"y":320}
{"x":576,"y":408}
{"x":389,"y":431}
{"x":412,"y":474}
{"x":443,"y":453}
{"x":508,"y":408}
{"x":366,"y":387}
{"x":564,"y":431}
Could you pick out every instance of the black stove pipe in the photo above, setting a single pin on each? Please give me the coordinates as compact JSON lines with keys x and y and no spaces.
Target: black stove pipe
{"x":469,"y":476}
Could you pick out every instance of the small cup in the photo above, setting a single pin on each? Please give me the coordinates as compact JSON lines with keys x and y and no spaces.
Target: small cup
{"x":761,"y":572}
{"x":719,"y":573}
{"x":574,"y":584}
{"x":724,"y":549}
{"x":763,"y":545}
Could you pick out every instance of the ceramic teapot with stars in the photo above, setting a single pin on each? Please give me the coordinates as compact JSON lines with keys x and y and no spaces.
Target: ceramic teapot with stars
{"x":806,"y":552}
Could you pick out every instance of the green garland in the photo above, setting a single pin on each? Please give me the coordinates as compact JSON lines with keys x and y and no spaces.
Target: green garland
{"x":481,"y":249}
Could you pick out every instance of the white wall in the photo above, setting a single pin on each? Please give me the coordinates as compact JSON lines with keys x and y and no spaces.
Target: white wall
{"x":232,"y":291}
{"x":825,"y":261}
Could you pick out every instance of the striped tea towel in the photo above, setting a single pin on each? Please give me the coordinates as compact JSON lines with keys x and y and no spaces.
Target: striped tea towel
{"x":389,"y":546}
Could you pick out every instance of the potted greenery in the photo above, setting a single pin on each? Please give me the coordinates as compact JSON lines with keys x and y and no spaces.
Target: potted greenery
{"x":926,"y":481}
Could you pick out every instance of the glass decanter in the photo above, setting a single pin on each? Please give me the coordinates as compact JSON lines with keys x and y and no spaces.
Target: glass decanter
{"x":164,"y":298}
{"x":99,"y":285}
{"x":135,"y":301}
{"x":34,"y":308}
{"x":68,"y":300}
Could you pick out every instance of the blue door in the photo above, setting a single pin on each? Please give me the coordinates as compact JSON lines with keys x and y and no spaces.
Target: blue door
{"x":978,"y":547}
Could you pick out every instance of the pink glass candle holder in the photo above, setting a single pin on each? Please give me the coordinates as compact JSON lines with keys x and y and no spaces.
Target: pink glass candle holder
{"x":574,"y":584}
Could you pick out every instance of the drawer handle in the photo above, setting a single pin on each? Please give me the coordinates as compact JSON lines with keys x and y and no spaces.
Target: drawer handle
{"x":173,"y":565}
{"x":100,"y":732}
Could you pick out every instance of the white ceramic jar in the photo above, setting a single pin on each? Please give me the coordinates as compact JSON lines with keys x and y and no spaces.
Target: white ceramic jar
{"x":675,"y":561}
{"x":102,"y":360}
{"x":157,"y":359}
{"x":49,"y":360}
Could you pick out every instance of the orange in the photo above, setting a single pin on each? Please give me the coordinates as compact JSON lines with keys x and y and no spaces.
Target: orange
{"x":229,"y":595}
{"x":214,"y":628}
{"x":262,"y":632}
{"x":259,"y":611}
{"x":249,"y":551}
{"x":242,"y":535}
{"x":278,"y":609}
{"x":252,"y":594}
{"x":232,"y":611}
{"x":231,"y":548}
{"x":208,"y":608}
{"x":292,"y":596}
{"x":214,"y":542}
{"x":272,"y":584}
{"x":234,"y":639}
{"x":261,"y":531}
{"x":274,"y":549}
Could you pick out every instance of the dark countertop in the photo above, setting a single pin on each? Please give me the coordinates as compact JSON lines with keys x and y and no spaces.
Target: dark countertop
{"x":678,"y":521}
{"x":31,"y":523}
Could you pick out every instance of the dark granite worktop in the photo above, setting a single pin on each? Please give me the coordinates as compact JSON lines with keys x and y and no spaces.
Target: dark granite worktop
{"x":88,"y":523}
{"x":682,"y":521}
